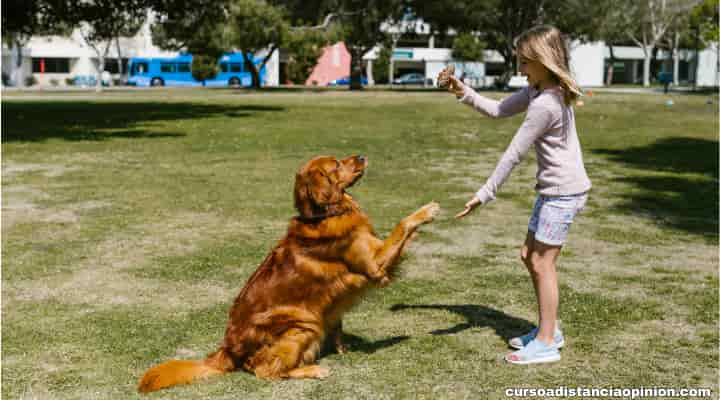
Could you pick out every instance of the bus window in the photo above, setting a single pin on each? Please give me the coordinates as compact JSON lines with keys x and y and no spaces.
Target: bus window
{"x":183,"y":67}
{"x":235,"y":67}
{"x":223,"y":67}
{"x":167,"y":67}
{"x":139,"y":68}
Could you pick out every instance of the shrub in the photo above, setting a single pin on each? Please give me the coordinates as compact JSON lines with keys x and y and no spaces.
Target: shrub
{"x":467,"y":47}
{"x":204,"y":67}
{"x":30,"y":80}
{"x":54,"y":82}
{"x":305,"y":47}
{"x":69,"y":81}
{"x":381,"y":66}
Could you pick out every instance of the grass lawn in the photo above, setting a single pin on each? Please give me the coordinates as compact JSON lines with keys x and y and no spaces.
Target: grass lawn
{"x":130,"y":220}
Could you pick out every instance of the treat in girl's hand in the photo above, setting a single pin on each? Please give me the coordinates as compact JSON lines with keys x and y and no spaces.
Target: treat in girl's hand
{"x":444,"y":77}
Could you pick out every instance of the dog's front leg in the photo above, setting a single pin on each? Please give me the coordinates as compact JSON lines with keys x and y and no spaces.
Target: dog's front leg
{"x":392,"y":247}
{"x":372,"y":257}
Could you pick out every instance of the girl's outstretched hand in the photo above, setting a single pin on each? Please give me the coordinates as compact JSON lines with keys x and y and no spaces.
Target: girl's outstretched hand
{"x":469,"y":207}
{"x":447,"y":79}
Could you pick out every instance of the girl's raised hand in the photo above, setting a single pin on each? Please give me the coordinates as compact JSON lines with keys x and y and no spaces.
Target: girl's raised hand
{"x":447,"y":79}
{"x":469,"y":207}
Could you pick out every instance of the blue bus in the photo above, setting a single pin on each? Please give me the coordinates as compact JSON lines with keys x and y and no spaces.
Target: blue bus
{"x":176,"y":71}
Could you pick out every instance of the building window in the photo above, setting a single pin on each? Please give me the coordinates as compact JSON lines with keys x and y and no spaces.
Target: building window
{"x":494,"y":68}
{"x":112,"y":67}
{"x":51,"y":65}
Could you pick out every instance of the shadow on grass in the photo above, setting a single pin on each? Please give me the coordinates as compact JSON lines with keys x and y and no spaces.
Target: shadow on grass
{"x":677,"y":154}
{"x":689,"y":203}
{"x":82,"y":120}
{"x":505,"y":326}
{"x":357,"y":343}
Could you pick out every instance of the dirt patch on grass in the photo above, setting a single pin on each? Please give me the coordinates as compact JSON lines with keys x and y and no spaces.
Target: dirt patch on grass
{"x":20,"y":207}
{"x":101,"y":278}
{"x":10,"y":169}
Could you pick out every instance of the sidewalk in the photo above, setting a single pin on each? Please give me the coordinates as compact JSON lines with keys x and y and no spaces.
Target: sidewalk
{"x":650,"y":90}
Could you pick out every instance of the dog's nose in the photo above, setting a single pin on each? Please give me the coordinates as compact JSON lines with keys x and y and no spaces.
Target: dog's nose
{"x":362,"y":159}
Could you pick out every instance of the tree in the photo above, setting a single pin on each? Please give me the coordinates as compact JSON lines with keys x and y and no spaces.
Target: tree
{"x":195,"y":26}
{"x":467,"y":47}
{"x":22,"y":19}
{"x":362,"y":22}
{"x":211,"y":27}
{"x":381,"y":66}
{"x":257,"y":25}
{"x":611,"y":23}
{"x":703,"y":29}
{"x":102,"y":21}
{"x":204,"y":67}
{"x":305,"y":46}
{"x":497,"y":23}
{"x":652,"y":19}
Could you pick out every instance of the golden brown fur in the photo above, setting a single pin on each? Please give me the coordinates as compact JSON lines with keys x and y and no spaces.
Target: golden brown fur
{"x":296,"y":298}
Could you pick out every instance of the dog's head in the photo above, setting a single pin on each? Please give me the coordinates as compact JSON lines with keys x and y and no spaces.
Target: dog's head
{"x":321,"y":182}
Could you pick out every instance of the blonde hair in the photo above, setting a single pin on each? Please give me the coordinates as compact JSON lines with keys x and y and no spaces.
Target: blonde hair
{"x":544,"y":43}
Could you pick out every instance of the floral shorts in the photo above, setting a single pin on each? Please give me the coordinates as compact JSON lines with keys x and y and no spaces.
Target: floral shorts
{"x":553,"y":215}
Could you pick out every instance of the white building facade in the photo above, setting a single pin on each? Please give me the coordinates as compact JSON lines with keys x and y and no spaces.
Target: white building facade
{"x":59,"y":61}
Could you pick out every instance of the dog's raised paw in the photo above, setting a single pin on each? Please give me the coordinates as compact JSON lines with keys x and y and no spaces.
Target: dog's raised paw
{"x":430,"y":211}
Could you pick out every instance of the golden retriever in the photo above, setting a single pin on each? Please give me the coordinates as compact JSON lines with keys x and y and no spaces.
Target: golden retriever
{"x":295,"y":300}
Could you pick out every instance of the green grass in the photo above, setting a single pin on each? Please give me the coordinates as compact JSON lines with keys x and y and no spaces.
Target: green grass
{"x":131,"y":220}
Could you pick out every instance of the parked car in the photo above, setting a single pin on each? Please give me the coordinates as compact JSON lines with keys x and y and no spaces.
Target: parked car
{"x":412,"y":78}
{"x":345,"y":80}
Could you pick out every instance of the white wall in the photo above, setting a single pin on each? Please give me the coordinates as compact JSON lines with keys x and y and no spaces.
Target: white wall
{"x":707,"y":71}
{"x":587,"y":62}
{"x":272,"y":69}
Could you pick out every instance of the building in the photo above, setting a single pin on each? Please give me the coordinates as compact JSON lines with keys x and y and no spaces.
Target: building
{"x":59,"y":61}
{"x":589,"y":61}
{"x":62,"y":61}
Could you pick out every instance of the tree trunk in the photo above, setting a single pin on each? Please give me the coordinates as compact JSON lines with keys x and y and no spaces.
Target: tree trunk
{"x":356,"y":68}
{"x":611,"y":67}
{"x":119,"y":60}
{"x":676,"y":59}
{"x":265,"y":61}
{"x":391,"y":71}
{"x":100,"y":70}
{"x":646,"y":65}
{"x":717,"y":64}
{"x":101,"y":65}
{"x":18,"y":73}
{"x":250,"y":66}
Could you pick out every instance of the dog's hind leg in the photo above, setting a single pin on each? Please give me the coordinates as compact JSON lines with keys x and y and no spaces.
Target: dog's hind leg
{"x":289,"y":357}
{"x":310,"y":371}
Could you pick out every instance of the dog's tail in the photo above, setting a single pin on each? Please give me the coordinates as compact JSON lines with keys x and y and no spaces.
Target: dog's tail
{"x":178,"y":372}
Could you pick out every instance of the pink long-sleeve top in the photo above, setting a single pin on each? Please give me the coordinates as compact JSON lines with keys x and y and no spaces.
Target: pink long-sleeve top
{"x":549,"y":125}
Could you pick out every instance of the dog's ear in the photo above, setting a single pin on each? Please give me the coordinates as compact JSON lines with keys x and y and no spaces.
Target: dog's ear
{"x":303,"y":200}
{"x":315,"y":193}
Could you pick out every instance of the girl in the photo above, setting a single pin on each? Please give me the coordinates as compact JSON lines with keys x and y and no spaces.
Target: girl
{"x":562,"y":183}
